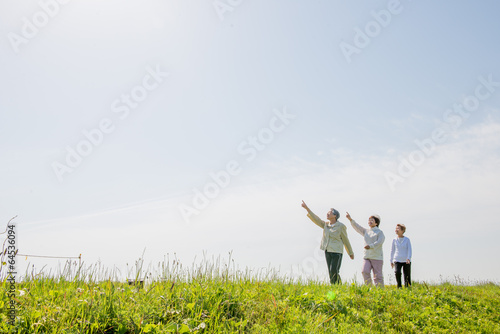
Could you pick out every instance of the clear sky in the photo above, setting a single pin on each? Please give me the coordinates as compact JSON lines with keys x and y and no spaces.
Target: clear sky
{"x":198,"y":127}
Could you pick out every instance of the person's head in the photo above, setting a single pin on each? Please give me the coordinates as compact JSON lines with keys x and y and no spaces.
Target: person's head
{"x":332,"y":215}
{"x":400,"y":229}
{"x":374,"y":221}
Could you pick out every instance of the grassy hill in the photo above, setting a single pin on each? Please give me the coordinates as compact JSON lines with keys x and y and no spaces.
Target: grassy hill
{"x":222,"y":302}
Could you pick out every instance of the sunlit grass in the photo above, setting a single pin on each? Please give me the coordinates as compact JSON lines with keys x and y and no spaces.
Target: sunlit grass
{"x":214,"y":297}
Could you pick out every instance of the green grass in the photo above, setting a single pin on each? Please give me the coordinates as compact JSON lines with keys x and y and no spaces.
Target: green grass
{"x":213,"y":299}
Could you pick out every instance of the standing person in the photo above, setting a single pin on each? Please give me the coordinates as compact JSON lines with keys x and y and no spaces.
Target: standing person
{"x":401,"y":255}
{"x":373,"y":258}
{"x":333,"y":241}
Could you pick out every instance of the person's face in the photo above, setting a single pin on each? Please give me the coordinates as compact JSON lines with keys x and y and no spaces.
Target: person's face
{"x":371,"y":222}
{"x":330,"y":215}
{"x":399,"y":231}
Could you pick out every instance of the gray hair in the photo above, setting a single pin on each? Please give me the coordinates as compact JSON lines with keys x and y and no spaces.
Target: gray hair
{"x":336,"y":213}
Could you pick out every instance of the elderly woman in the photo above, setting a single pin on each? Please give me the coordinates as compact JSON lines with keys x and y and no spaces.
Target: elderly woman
{"x":373,"y":258}
{"x":401,"y":255}
{"x":333,"y":242}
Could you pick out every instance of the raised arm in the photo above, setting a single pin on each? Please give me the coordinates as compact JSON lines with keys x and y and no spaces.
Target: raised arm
{"x":304,"y":205}
{"x":316,"y":220}
{"x":355,"y":225}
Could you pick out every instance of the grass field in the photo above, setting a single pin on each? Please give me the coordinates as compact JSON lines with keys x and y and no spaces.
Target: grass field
{"x":213,"y":299}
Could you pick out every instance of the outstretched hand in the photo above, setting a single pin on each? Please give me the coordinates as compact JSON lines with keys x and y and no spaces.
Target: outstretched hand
{"x":348,"y":216}
{"x":304,"y":205}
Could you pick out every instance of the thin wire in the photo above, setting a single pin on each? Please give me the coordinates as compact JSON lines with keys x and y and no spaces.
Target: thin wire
{"x":52,"y":257}
{"x":6,"y":227}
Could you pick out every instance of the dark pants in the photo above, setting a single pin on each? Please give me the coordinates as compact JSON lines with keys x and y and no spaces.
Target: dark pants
{"x":333,"y":261}
{"x":406,"y":271}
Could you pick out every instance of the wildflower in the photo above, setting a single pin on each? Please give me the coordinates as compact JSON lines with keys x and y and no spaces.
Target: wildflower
{"x":200,"y":326}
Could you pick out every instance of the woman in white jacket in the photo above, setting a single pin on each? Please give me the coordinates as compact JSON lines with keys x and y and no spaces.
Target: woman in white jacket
{"x":373,"y":259}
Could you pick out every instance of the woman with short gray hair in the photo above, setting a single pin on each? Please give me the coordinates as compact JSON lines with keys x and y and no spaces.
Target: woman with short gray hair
{"x":333,"y":242}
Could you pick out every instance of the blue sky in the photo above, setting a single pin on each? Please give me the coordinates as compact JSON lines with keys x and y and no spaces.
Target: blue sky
{"x":224,"y":71}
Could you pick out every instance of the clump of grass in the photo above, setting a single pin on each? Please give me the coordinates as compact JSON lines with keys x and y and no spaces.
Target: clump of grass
{"x":215,"y":297}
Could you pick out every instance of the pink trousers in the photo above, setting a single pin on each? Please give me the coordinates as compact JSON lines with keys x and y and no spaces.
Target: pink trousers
{"x":376,"y":266}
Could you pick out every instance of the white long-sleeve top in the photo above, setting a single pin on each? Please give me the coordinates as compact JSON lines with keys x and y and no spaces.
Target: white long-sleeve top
{"x":374,"y":237}
{"x":401,"y":250}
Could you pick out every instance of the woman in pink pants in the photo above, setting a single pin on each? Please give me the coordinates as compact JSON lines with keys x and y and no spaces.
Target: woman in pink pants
{"x":373,"y":259}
